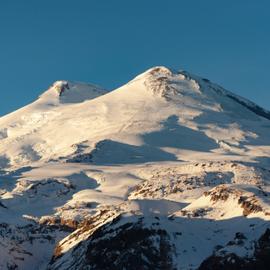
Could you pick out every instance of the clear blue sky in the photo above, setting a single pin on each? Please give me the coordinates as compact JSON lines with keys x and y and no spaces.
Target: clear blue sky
{"x":108,"y":42}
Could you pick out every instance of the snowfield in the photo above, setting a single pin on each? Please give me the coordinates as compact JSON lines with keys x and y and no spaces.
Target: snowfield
{"x":169,"y":171}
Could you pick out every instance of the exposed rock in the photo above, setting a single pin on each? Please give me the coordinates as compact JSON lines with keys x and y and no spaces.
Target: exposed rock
{"x":122,"y":245}
{"x":249,"y":205}
{"x":260,"y":260}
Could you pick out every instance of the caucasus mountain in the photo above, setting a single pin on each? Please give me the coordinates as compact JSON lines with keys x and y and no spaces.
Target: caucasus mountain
{"x":169,"y":171}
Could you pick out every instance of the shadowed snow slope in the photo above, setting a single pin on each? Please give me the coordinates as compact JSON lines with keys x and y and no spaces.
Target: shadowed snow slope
{"x":168,"y":161}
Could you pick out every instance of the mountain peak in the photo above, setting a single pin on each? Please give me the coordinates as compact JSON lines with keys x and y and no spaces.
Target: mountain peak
{"x":160,"y":70}
{"x":165,"y":82}
{"x":173,"y":84}
{"x":62,"y":92}
{"x":61,"y":87}
{"x":155,"y":72}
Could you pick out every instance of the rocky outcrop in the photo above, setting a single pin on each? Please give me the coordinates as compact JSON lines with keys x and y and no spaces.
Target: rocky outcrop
{"x":122,"y":244}
{"x":259,"y":261}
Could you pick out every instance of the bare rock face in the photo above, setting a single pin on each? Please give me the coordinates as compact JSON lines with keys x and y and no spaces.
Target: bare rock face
{"x":259,"y":261}
{"x":138,"y":246}
{"x":123,"y":244}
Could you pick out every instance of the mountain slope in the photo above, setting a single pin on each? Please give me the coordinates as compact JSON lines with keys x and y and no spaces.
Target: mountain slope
{"x":168,"y":161}
{"x":170,"y":101}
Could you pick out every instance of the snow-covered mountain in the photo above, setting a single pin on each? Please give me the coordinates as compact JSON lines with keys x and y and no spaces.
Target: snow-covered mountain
{"x":169,"y":171}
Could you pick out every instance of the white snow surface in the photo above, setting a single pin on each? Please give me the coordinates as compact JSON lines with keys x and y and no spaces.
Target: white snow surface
{"x":166,"y":144}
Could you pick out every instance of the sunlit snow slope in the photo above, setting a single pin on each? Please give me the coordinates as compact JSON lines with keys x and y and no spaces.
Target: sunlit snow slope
{"x":169,"y":171}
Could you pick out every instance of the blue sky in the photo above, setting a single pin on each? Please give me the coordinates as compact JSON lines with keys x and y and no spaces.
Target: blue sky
{"x":109,"y":42}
